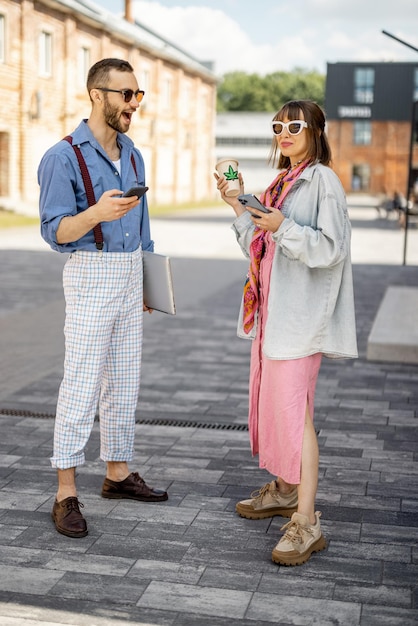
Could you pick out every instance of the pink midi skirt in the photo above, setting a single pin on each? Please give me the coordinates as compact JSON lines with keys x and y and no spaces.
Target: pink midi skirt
{"x":280,"y":392}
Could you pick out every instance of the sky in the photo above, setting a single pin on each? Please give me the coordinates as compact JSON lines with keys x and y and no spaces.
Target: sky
{"x":266,"y":36}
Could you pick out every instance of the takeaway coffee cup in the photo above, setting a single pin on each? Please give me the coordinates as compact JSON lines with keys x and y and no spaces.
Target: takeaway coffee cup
{"x":229,"y":168}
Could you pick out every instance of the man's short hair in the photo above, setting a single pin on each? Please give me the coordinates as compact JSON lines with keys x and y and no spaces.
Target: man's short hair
{"x":98,"y":75}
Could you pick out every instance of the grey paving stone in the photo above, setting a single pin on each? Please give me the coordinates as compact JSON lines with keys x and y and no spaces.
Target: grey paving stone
{"x":31,"y":609}
{"x":205,"y":502}
{"x":381,"y":595}
{"x":200,"y":475}
{"x":389,"y":534}
{"x":15,"y":555}
{"x":154,"y":513}
{"x":300,"y":610}
{"x":90,"y":564}
{"x":338,"y":452}
{"x":153,"y":569}
{"x":31,"y":580}
{"x":289,"y":585}
{"x":12,"y":517}
{"x":383,"y":616}
{"x":351,"y":439}
{"x":225,"y":524}
{"x":183,"y":488}
{"x":103,"y":588}
{"x":341,"y":484}
{"x":409,"y":505}
{"x":327,"y":566}
{"x":348,"y":463}
{"x":8,"y":533}
{"x":236,"y":579}
{"x":370,"y":502}
{"x":180,"y":462}
{"x":99,"y":525}
{"x":405,"y":572}
{"x":227,"y":559}
{"x":144,"y":531}
{"x":135,"y":548}
{"x":204,"y":600}
{"x":30,"y":502}
{"x":389,"y":553}
{"x":341,"y":531}
{"x":7,"y":460}
{"x":195,"y":619}
{"x":47,"y":538}
{"x":407,"y":468}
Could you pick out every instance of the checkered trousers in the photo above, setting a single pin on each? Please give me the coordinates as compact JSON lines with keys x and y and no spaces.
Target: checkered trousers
{"x":103,"y":346}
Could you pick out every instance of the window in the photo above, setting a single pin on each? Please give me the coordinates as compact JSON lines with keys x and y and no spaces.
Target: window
{"x":414,"y":129}
{"x":145,"y":85}
{"x":362,"y":133}
{"x":45,"y":54}
{"x":360,"y":177}
{"x":83,"y":64}
{"x":167,"y":88}
{"x":144,"y":81}
{"x":363,"y":85}
{"x":2,"y":38}
{"x":243,"y":141}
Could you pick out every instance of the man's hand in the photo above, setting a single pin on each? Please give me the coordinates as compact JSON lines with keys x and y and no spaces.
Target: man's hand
{"x":112,"y":206}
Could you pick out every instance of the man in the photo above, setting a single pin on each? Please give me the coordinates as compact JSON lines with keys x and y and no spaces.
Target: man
{"x":104,"y":234}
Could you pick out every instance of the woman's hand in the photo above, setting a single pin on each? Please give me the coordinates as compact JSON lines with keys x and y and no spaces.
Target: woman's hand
{"x":267,"y":221}
{"x":222,"y":185}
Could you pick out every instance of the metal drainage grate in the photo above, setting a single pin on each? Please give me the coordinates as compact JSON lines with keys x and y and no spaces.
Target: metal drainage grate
{"x":23,"y":413}
{"x":149,"y":422}
{"x":186,"y":424}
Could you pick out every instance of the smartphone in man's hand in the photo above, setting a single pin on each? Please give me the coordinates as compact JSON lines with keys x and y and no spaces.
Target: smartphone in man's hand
{"x":135,"y":191}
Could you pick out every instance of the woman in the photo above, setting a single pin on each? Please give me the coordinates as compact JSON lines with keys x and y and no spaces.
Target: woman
{"x":297,"y":306}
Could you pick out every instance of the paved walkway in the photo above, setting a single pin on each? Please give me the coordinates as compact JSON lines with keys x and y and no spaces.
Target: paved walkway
{"x":191,"y":561}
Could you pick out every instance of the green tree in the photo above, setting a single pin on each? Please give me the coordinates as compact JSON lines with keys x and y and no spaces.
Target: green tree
{"x":239,"y":91}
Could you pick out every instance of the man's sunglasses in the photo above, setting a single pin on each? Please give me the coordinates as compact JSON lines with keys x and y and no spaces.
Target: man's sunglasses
{"x":293,"y":128}
{"x":126,"y":93}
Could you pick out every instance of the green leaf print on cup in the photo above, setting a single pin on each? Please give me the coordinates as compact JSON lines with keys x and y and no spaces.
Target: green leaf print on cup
{"x":231,"y":174}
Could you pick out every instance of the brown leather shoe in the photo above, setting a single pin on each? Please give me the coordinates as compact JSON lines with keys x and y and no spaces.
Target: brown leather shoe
{"x":67,"y":517}
{"x":132,"y":488}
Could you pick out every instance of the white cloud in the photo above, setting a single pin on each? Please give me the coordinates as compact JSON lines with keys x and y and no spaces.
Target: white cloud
{"x":281,"y":38}
{"x":208,"y":34}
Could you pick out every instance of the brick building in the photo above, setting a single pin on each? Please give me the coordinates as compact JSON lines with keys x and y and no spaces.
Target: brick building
{"x":370,"y":112}
{"x":46,"y":49}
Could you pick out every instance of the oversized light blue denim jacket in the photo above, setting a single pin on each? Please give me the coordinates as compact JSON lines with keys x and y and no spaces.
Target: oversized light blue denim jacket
{"x":311,"y":301}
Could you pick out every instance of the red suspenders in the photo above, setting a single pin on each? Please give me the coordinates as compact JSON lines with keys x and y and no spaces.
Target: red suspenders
{"x":97,"y":230}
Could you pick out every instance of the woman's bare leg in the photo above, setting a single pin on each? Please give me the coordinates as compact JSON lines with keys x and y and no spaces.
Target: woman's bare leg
{"x":309,"y":471}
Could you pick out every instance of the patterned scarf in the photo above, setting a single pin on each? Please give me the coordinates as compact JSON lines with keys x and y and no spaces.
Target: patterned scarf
{"x":273,"y":197}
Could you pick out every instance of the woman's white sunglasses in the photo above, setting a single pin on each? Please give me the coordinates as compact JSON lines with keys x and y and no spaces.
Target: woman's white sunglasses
{"x":293,"y":128}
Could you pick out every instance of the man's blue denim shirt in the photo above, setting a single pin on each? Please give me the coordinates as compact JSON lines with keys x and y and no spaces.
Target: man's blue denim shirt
{"x":62,"y":192}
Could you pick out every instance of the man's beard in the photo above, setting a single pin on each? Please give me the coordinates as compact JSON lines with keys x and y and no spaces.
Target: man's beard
{"x":112,"y":117}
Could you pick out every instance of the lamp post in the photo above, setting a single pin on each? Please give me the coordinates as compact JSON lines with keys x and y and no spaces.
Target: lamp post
{"x":411,"y":148}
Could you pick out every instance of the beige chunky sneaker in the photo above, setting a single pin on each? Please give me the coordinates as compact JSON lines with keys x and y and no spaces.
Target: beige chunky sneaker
{"x":267,"y":502}
{"x":300,"y":540}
